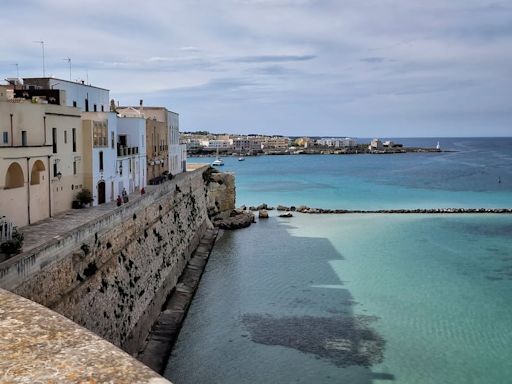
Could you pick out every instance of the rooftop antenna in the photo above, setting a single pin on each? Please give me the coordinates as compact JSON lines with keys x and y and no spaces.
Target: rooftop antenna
{"x":68,"y":59}
{"x":87,"y":76}
{"x":42,"y":47}
{"x":17,"y":70}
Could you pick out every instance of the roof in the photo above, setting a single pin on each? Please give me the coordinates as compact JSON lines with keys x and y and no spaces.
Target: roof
{"x":66,"y":81}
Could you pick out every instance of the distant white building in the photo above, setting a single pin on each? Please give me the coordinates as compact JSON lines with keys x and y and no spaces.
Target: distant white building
{"x":337,"y":142}
{"x":221,"y":144}
{"x":375,"y":144}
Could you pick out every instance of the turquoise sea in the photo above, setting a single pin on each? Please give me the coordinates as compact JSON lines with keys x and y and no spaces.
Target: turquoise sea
{"x":360,"y":298}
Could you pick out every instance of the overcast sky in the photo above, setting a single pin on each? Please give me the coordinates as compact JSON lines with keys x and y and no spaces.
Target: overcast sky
{"x":358,"y":68}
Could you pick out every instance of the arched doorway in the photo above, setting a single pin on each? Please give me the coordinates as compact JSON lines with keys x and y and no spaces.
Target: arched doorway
{"x":14,"y":177}
{"x":35,"y":175}
{"x":101,"y":192}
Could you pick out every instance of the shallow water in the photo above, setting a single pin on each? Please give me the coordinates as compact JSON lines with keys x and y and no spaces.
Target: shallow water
{"x":353,"y":299}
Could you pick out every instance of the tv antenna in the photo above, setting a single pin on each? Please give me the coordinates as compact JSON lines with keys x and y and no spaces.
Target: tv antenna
{"x":68,"y":59}
{"x":42,"y":47}
{"x":17,"y":70}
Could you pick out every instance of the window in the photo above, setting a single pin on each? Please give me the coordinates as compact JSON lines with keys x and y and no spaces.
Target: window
{"x":86,"y":105}
{"x":74,"y":167}
{"x":55,"y":171}
{"x":95,"y":108}
{"x":102,"y":109}
{"x":74,"y":103}
{"x":6,"y":137}
{"x":54,"y":139}
{"x":100,"y":133}
{"x":73,"y":132}
{"x":101,"y":161}
{"x":112,"y":138}
{"x":24,"y":138}
{"x":65,"y":137}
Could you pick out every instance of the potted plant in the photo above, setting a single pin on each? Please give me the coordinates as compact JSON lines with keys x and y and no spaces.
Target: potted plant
{"x":84,"y":197}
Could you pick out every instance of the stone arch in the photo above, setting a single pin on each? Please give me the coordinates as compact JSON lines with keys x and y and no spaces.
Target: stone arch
{"x":35,"y":176}
{"x":14,"y":177}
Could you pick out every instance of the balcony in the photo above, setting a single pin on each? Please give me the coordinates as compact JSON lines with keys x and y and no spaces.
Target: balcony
{"x":127,"y":151}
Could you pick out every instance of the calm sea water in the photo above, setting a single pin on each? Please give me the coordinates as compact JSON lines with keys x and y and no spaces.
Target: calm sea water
{"x":466,"y":178}
{"x":360,"y":298}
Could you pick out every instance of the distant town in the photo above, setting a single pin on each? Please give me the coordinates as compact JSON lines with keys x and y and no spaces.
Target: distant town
{"x":206,"y":144}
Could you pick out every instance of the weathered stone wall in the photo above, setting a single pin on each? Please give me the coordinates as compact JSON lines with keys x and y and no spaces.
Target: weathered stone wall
{"x":221,"y":193}
{"x":114,"y":278}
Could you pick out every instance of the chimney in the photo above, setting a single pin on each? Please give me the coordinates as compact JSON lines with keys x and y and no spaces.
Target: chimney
{"x":141,"y":102}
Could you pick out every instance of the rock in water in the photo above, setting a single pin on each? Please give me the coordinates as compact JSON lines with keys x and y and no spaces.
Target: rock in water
{"x":263,"y":214}
{"x":286,"y":214}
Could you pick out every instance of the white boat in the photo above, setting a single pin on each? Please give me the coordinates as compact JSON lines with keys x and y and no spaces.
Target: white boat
{"x":438,"y":147}
{"x":218,"y":161}
{"x":241,"y":158}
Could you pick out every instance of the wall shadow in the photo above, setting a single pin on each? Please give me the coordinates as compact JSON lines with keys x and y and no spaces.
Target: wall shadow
{"x":278,"y":291}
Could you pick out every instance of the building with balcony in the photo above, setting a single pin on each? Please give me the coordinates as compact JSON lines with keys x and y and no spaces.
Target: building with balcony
{"x":101,"y":168}
{"x":131,"y":153}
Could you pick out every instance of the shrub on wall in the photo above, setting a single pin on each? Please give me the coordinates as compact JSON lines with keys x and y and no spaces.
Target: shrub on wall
{"x":13,"y":246}
{"x":84,"y":197}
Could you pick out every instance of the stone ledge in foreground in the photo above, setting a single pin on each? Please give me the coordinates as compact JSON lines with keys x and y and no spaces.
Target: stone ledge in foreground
{"x":39,"y":345}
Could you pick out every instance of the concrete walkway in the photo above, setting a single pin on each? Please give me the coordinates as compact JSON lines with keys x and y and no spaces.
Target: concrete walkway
{"x":53,"y":227}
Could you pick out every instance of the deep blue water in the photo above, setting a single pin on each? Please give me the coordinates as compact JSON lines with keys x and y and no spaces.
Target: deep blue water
{"x":465,"y":178}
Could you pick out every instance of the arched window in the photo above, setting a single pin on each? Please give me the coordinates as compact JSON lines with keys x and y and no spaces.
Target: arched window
{"x":35,"y":176}
{"x":14,"y":177}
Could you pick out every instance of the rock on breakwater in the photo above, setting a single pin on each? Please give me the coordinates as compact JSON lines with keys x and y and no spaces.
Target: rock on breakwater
{"x":306,"y":209}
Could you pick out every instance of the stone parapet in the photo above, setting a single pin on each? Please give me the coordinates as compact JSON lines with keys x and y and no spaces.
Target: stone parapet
{"x":41,"y":346}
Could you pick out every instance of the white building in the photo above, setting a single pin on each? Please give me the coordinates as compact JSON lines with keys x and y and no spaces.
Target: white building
{"x":78,"y":94}
{"x":131,"y":153}
{"x":177,"y":151}
{"x":221,"y":144}
{"x":375,"y":144}
{"x":337,"y":142}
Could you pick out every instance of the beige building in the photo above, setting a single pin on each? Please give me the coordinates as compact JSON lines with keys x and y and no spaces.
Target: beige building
{"x":40,"y":157}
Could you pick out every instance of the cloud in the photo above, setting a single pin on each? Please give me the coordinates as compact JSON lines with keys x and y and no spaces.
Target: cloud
{"x":294,"y":65}
{"x":273,"y":58}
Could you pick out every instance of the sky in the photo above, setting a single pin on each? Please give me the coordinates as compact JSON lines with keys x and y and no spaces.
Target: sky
{"x":373,"y":68}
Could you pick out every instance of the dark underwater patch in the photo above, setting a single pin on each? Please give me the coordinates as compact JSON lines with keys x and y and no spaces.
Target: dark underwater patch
{"x":344,"y":340}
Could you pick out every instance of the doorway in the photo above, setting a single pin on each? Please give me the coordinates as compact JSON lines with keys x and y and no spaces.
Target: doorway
{"x":101,"y":192}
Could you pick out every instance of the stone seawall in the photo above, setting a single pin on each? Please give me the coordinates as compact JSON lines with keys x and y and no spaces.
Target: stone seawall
{"x":113,"y":274}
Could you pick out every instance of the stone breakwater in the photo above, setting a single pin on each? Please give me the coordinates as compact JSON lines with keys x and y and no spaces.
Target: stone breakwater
{"x":306,"y":209}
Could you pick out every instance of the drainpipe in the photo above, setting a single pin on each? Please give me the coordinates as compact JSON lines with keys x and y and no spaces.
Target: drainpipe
{"x":49,"y":190}
{"x":12,"y":136}
{"x":44,"y":125}
{"x":28,"y":188}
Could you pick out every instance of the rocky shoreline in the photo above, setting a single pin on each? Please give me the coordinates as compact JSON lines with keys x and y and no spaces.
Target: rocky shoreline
{"x":306,"y":209}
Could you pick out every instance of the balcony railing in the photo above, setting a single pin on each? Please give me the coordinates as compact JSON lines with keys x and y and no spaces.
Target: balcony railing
{"x":127,"y":151}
